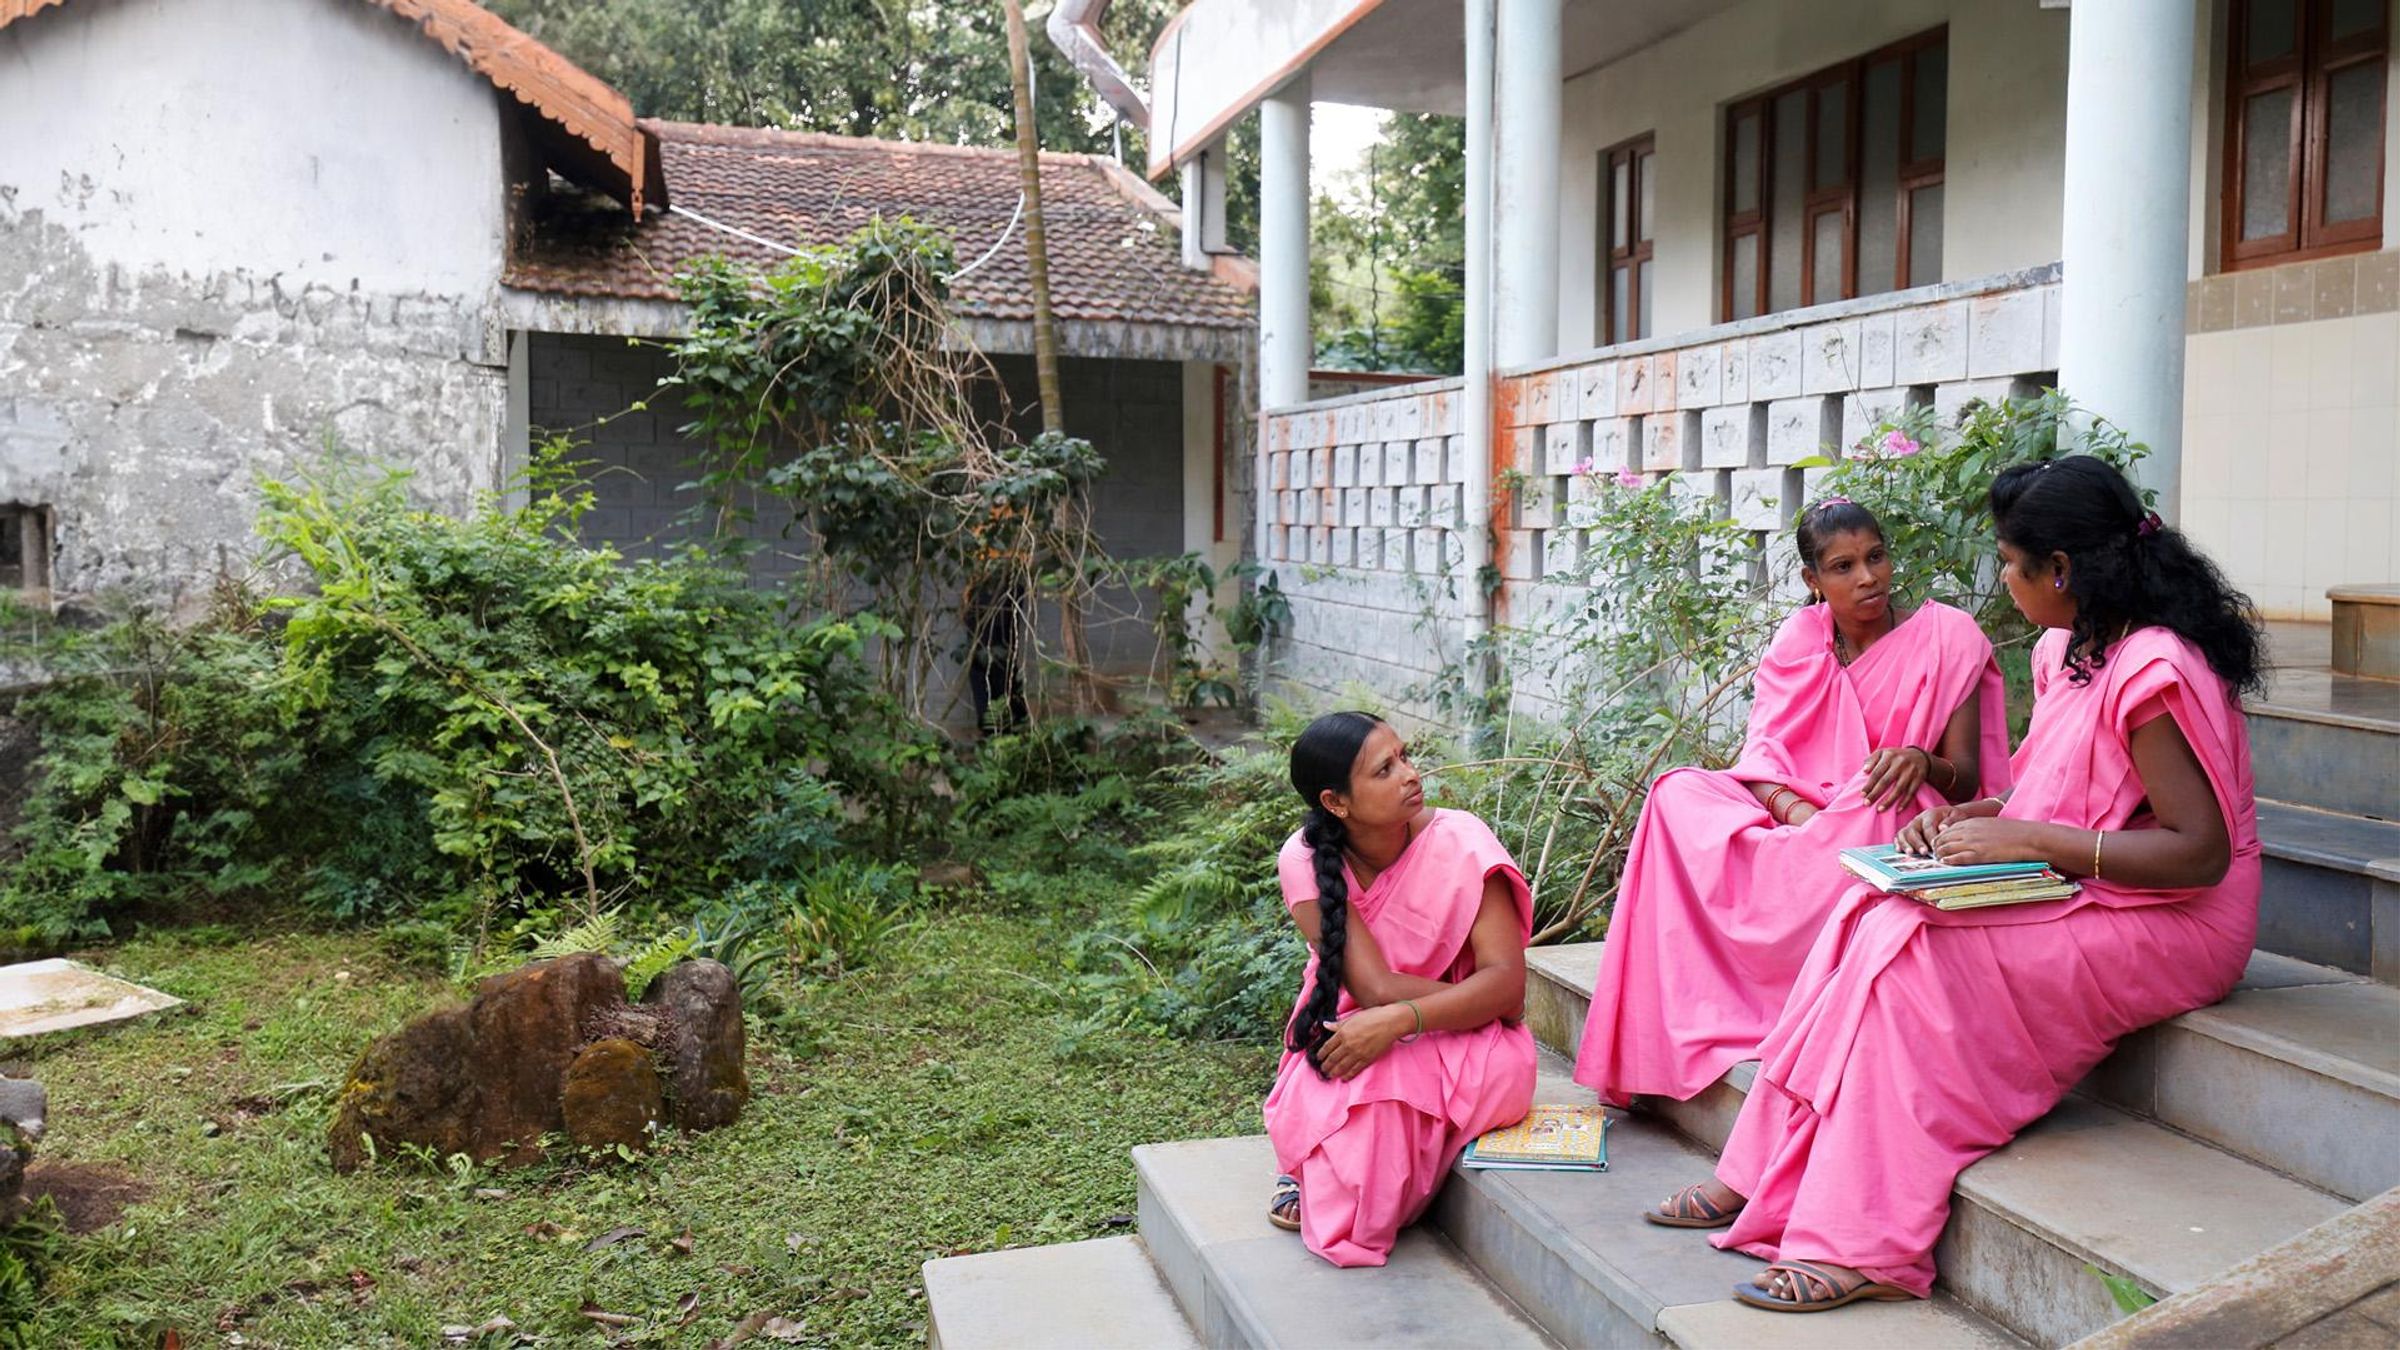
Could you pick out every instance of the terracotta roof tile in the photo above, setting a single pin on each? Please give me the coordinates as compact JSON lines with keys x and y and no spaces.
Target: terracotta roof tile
{"x":1113,"y":256}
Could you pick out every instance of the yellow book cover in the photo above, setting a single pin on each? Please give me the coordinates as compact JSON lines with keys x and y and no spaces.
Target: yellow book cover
{"x":1571,"y":1138}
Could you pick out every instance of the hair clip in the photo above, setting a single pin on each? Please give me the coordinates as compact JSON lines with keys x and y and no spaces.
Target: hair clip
{"x":2150,"y":525}
{"x":1828,"y":503}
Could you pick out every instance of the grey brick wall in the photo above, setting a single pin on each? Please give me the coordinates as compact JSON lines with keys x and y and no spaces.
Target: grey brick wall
{"x":1131,"y":410}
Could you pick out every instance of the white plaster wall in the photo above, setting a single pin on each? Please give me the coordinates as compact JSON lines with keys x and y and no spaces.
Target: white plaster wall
{"x":324,"y":141}
{"x":1200,"y":495}
{"x":2007,"y":137}
{"x":2291,"y":457}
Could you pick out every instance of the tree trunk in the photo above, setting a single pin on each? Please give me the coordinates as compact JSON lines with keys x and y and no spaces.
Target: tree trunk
{"x":1085,"y":690}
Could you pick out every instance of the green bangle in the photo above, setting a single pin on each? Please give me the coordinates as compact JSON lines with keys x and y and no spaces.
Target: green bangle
{"x":1420,"y":1016}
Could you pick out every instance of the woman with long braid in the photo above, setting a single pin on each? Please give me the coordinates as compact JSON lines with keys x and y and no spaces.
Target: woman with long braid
{"x":1919,"y":1040}
{"x":1405,"y":1043}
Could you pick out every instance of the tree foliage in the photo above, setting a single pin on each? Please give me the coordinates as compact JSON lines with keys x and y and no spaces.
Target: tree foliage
{"x":1390,"y":277}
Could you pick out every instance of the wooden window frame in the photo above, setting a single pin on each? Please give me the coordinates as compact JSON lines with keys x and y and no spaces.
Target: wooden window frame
{"x":1842,"y":196}
{"x":1638,"y":249}
{"x":2308,"y":72}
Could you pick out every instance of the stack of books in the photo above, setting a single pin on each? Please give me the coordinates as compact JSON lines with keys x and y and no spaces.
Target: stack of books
{"x":1548,"y":1139}
{"x":2014,"y":883}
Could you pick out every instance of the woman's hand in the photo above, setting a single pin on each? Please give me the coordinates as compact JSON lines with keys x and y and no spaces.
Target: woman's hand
{"x":1971,"y":840}
{"x":1362,"y":1038}
{"x":1917,"y":835}
{"x":1799,"y":812}
{"x":1893,"y":776}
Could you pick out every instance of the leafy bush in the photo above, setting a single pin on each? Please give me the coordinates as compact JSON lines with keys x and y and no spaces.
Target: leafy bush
{"x":472,"y":719}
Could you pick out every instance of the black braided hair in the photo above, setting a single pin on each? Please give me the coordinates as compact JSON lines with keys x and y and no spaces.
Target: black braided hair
{"x":2130,"y":570}
{"x":1833,"y":516}
{"x":1321,"y":761}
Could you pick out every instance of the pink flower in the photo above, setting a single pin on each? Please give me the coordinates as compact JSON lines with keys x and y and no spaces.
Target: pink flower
{"x":1627,"y":478}
{"x":1897,"y":444}
{"x":1584,"y":469}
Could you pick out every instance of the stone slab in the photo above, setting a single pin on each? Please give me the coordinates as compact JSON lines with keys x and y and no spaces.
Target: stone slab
{"x":1094,"y":1295}
{"x":2347,"y":1261}
{"x":1917,"y":1325}
{"x":39,"y":997}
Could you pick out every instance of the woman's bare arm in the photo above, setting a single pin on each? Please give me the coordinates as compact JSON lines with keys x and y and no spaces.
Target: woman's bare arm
{"x":2187,"y":846}
{"x":1494,"y":991}
{"x":1370,"y":979}
{"x":1962,"y":748}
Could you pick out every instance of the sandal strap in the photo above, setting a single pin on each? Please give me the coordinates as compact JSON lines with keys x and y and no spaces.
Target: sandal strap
{"x":1820,"y":1277}
{"x":1692,"y":1202}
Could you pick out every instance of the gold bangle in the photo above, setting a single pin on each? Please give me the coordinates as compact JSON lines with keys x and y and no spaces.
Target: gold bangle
{"x":1420,"y":1016}
{"x":2096,"y":842}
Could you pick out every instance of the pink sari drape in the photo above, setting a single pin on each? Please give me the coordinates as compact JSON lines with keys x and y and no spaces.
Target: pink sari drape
{"x":1370,"y":1152}
{"x":1719,"y":905}
{"x":1918,"y":1041}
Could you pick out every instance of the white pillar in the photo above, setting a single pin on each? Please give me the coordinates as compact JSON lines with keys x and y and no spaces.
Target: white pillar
{"x":1530,"y":85}
{"x":2124,"y":238}
{"x":1204,"y":207}
{"x":1284,"y":346}
{"x":1475,"y":416}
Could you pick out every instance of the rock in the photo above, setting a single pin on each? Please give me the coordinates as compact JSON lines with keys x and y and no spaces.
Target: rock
{"x":527,"y":1025}
{"x":613,"y":1097}
{"x":701,"y":1044}
{"x":414,"y":1087}
{"x":949,"y":876}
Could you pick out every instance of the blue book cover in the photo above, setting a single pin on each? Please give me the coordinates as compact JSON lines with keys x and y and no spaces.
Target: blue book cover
{"x":1886,"y":866}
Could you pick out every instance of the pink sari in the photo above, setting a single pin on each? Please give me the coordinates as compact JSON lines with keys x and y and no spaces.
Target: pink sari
{"x":1719,"y":904}
{"x":1369,"y":1153}
{"x":1917,"y":1041}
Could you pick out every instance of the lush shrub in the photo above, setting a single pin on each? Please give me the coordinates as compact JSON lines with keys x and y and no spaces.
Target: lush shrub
{"x":473,"y":719}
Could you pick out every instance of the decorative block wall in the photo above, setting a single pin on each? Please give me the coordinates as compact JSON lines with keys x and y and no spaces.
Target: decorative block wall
{"x":1364,"y":493}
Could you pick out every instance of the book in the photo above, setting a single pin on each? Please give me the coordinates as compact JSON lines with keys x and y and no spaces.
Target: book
{"x":1548,"y":1139}
{"x":1976,"y":894}
{"x":1889,"y":869}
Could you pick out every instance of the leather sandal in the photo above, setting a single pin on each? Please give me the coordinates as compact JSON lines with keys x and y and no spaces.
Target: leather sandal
{"x":1284,"y":1210}
{"x":1691,"y":1208}
{"x":1810,"y":1286}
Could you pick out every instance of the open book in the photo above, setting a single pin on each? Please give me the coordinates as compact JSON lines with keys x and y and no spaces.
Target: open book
{"x":1549,"y":1139}
{"x":1886,"y":868}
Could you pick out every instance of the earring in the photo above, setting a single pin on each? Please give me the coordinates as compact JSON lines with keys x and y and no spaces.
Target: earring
{"x":2058,"y":583}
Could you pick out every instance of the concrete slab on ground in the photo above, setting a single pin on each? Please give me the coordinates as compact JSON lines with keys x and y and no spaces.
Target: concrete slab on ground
{"x":38,"y":997}
{"x":1094,"y":1295}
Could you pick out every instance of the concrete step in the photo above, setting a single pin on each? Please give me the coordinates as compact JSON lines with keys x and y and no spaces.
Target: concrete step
{"x":1242,"y":1282}
{"x":1097,"y":1295}
{"x":2328,"y":741}
{"x":2366,"y":630}
{"x":2087,"y":1186}
{"x":2331,"y":888}
{"x":1572,"y":1250}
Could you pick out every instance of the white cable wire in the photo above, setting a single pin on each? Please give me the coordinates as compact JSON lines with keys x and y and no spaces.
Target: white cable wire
{"x":1005,"y":232}
{"x":759,"y":240}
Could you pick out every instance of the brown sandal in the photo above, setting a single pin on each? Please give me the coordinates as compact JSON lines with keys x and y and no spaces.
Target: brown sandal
{"x":1822,"y":1285}
{"x":1690,"y":1208}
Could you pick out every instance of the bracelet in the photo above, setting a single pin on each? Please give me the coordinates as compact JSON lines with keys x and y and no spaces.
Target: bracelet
{"x":1949,"y":770}
{"x":1995,"y":799}
{"x":1774,"y":812}
{"x":2097,"y":839}
{"x":1420,"y":1016}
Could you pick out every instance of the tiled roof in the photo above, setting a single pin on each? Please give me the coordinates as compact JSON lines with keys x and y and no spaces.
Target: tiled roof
{"x":1113,"y":255}
{"x":600,"y":142}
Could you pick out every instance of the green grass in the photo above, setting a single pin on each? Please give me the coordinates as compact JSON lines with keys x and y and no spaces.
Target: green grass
{"x":929,"y":1107}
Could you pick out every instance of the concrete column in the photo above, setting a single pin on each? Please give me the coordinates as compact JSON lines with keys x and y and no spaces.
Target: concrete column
{"x":1285,"y":348}
{"x":1475,"y":418}
{"x":1204,"y":207}
{"x":2128,"y":215}
{"x":1530,"y":86}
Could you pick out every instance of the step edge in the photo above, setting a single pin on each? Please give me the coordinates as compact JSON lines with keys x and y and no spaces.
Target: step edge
{"x":2285,"y":712}
{"x":1999,"y":1331}
{"x":2215,"y":1024}
{"x":1578,"y":1255}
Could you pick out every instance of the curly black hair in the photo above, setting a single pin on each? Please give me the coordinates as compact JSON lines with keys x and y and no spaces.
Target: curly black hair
{"x":1321,"y":760}
{"x":2130,"y":570}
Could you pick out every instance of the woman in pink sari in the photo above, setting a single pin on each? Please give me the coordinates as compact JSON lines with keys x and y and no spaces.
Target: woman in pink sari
{"x":1918,"y":1041}
{"x":1405,"y":1043}
{"x":1861,"y":718}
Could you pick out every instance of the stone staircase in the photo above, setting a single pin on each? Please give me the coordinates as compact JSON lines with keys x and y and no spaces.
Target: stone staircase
{"x":2198,"y":1145}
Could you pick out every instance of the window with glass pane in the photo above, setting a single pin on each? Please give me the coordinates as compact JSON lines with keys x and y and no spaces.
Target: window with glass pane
{"x":2304,"y":116}
{"x":1833,"y":182}
{"x":1630,"y":211}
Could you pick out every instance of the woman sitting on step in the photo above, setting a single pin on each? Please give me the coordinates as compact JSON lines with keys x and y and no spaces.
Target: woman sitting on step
{"x":1405,"y":1044}
{"x":1862,"y":716}
{"x":1918,"y":1040}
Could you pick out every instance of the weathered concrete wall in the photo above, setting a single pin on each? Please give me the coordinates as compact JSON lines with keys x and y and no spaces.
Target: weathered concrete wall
{"x":1132,"y":410}
{"x":299,"y":248}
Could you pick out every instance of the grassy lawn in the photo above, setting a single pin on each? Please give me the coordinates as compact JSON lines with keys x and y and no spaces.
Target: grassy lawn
{"x":931,"y":1106}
